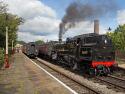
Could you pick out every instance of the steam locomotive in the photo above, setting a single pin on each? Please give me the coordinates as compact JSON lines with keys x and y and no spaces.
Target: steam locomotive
{"x":91,"y":52}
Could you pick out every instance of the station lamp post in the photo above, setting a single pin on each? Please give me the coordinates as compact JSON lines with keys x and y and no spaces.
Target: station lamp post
{"x":7,"y":65}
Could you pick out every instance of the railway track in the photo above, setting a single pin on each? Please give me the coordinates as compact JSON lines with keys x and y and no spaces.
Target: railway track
{"x":72,"y":82}
{"x":77,"y":82}
{"x":119,"y":73}
{"x":117,"y":83}
{"x":115,"y":77}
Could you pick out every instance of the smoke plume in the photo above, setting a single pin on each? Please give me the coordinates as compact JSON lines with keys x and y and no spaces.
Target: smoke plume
{"x":80,"y":11}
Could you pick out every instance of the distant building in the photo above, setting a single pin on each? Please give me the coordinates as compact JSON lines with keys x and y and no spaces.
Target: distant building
{"x":18,"y":48}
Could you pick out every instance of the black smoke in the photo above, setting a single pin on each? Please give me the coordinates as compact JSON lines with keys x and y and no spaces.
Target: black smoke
{"x":80,"y":11}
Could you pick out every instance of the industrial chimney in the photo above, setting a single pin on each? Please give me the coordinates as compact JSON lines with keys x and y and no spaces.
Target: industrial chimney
{"x":61,"y":29}
{"x":96,"y":26}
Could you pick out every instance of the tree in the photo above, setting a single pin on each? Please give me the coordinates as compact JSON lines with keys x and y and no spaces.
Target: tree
{"x":21,"y":42}
{"x":38,"y":42}
{"x":10,"y":20}
{"x":118,"y":37}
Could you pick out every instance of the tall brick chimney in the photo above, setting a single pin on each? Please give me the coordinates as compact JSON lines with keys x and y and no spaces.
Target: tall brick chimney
{"x":96,"y":26}
{"x":60,"y":32}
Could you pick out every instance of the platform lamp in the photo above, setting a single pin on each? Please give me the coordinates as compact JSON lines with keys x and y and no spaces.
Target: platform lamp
{"x":6,"y":62}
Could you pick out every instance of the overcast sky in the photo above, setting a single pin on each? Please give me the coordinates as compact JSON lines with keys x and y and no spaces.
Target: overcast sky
{"x":42,"y":18}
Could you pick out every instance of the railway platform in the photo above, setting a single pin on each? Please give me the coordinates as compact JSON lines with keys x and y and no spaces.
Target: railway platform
{"x":24,"y":77}
{"x":122,"y":66}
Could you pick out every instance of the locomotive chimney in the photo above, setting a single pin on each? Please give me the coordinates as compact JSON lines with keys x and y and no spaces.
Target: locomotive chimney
{"x":96,"y":26}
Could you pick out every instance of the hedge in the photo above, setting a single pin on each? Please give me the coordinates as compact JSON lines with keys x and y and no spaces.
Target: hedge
{"x":1,"y":57}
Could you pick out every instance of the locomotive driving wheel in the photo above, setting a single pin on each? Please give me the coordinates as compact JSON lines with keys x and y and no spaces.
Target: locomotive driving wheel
{"x":102,"y":70}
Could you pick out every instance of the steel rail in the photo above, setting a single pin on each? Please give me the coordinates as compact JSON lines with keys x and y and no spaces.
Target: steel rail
{"x":109,"y":82}
{"x":116,"y":77}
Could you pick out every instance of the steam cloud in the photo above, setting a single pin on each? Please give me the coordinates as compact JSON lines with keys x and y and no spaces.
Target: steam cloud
{"x":78,"y":11}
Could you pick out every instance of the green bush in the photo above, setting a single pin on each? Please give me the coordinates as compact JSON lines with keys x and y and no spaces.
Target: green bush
{"x":1,"y":57}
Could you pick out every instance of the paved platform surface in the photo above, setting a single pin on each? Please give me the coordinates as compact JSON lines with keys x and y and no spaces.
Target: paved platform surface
{"x":122,"y":65}
{"x":23,"y":77}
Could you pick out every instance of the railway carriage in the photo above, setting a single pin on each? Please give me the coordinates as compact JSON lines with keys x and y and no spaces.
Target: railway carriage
{"x":46,"y":50}
{"x":30,"y":49}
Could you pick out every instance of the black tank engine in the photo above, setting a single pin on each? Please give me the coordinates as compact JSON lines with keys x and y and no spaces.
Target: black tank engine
{"x":91,"y":52}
